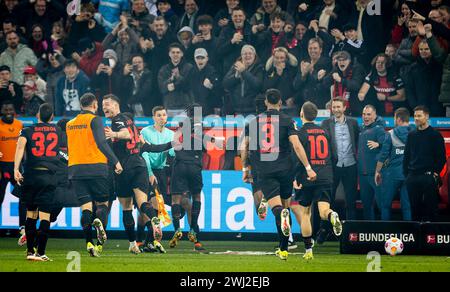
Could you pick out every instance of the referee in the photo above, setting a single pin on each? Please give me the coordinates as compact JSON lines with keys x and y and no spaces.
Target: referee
{"x":422,"y":164}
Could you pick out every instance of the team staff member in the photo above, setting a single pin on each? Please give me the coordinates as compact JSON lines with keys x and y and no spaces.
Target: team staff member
{"x":9,"y":134}
{"x":389,"y":172}
{"x":344,"y":134}
{"x":41,"y":144}
{"x":423,"y":162}
{"x":89,"y":153}
{"x":370,"y":142}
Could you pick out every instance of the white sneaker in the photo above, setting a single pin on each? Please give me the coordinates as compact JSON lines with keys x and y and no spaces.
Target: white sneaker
{"x":285,"y":225}
{"x":337,"y":225}
{"x":134,"y":248}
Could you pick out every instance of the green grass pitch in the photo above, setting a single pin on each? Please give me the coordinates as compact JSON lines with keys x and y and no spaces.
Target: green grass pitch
{"x":183,"y":259}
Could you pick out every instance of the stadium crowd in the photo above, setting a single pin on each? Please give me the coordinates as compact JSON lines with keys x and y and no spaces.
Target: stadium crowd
{"x":225,"y":54}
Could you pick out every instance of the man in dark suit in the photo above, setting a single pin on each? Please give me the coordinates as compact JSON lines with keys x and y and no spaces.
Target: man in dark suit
{"x":344,"y":133}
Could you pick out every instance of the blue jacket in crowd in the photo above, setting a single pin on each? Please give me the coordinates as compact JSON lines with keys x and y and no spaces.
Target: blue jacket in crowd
{"x":393,"y":151}
{"x":367,"y":159}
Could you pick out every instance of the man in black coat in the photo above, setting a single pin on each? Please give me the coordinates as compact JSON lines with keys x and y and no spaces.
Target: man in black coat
{"x":204,"y":83}
{"x":233,"y":37}
{"x":137,"y":95}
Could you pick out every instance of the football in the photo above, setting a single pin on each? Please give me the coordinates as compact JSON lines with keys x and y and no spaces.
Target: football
{"x":393,"y":246}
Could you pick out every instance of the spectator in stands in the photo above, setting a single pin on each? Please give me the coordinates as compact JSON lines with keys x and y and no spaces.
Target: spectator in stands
{"x":205,"y":83}
{"x":7,"y":9}
{"x":185,"y":36}
{"x":315,"y":32}
{"x":165,"y":10}
{"x":344,"y":134}
{"x":331,"y":15}
{"x":58,"y":37}
{"x":140,"y":17}
{"x":391,"y":51}
{"x":31,"y":101}
{"x":108,"y":76}
{"x":344,"y":81}
{"x":244,"y":82}
{"x":298,"y":45}
{"x":370,"y":142}
{"x":16,"y":57}
{"x":389,"y":170}
{"x":10,"y":90}
{"x":445,"y":13}
{"x":43,"y":12}
{"x":424,"y":80}
{"x":404,"y":57}
{"x":84,"y":25}
{"x":383,"y":87}
{"x":223,"y":17}
{"x":442,"y":57}
{"x":8,"y":25}
{"x":123,"y":41}
{"x":30,"y":74}
{"x":91,"y":56}
{"x":69,"y":89}
{"x":266,"y":41}
{"x":348,"y":41}
{"x":40,"y":44}
{"x":370,"y":30}
{"x":401,"y":30}
{"x":424,"y":160}
{"x":152,"y":7}
{"x":53,"y":71}
{"x":311,"y":74}
{"x":189,"y":18}
{"x":205,"y":39}
{"x":280,"y":72}
{"x":233,"y":38}
{"x":137,"y":95}
{"x":109,"y":12}
{"x":154,"y":46}
{"x":260,"y":21}
{"x":173,"y":81}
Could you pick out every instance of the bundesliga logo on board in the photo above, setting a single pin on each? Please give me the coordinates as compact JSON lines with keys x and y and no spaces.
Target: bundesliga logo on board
{"x":379,"y":237}
{"x":438,"y":239}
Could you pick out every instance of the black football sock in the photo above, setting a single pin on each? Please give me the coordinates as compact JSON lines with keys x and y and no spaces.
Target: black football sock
{"x":196,"y":207}
{"x":86,"y":223}
{"x":42,"y":236}
{"x":308,"y":242}
{"x":128,"y":222}
{"x":149,"y":237}
{"x":102,"y":214}
{"x":140,"y":233}
{"x":176,"y":212}
{"x":283,"y":239}
{"x":30,"y":231}
{"x":147,"y":209}
{"x":22,"y":213}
